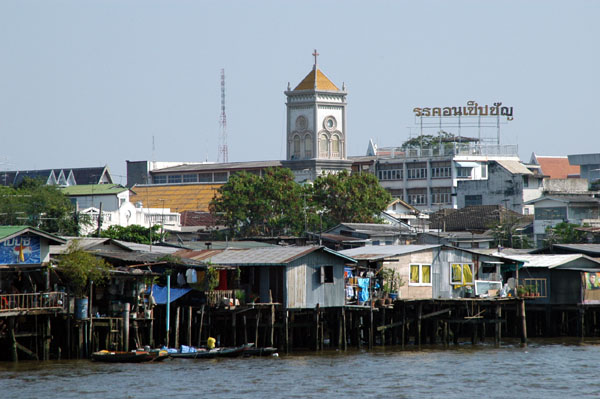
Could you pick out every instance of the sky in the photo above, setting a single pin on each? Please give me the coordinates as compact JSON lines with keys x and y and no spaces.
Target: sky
{"x":92,"y":83}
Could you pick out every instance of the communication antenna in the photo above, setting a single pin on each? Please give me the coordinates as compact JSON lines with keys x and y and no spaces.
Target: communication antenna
{"x":223,"y":151}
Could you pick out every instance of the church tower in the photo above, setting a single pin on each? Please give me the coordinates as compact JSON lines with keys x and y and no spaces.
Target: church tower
{"x":316,"y":126}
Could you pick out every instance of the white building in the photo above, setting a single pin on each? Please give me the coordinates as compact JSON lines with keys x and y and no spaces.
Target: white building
{"x":113,"y":200}
{"x":457,"y":174}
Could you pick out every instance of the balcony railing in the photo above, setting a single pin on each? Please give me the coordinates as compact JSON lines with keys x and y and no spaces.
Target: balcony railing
{"x":36,"y":301}
{"x":532,"y":288}
{"x":217,"y":297}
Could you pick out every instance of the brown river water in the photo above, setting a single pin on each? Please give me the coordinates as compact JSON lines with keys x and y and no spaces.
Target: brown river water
{"x":544,"y":369}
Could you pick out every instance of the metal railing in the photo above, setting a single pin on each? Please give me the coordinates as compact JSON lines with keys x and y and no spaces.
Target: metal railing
{"x":33,"y":301}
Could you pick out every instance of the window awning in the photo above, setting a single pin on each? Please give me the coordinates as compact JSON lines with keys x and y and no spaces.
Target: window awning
{"x":160,"y":294}
{"x":464,"y":164}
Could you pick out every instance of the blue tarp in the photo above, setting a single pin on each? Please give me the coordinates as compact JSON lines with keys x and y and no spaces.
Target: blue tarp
{"x":160,"y":294}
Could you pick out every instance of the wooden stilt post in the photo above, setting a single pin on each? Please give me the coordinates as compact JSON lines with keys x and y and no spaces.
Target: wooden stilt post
{"x":497,"y":326}
{"x":371,"y":327}
{"x":47,"y":338}
{"x":359,"y":330}
{"x":382,"y":321}
{"x":177,"y":318}
{"x":523,"y":323}
{"x":256,"y":330}
{"x":272,"y":326}
{"x":419,"y":315}
{"x":234,"y":328}
{"x":12,"y":339}
{"x":125,"y":327}
{"x":291,"y":334}
{"x":317,"y":327}
{"x":344,"y":337}
{"x":69,"y":343}
{"x":445,"y":334}
{"x":287,"y":331}
{"x":189,"y":326}
{"x":245,"y":330}
{"x":403,"y":326}
{"x":200,"y":325}
{"x":581,"y":324}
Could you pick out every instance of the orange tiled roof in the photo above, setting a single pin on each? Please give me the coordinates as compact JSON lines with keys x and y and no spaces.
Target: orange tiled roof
{"x":188,"y":197}
{"x":323,"y":82}
{"x":557,"y":167}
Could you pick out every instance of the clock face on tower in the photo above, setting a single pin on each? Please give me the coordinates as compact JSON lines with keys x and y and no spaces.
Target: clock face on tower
{"x":330,"y":123}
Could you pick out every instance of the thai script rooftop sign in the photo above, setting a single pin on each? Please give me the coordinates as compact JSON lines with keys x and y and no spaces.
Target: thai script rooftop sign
{"x":471,"y":109}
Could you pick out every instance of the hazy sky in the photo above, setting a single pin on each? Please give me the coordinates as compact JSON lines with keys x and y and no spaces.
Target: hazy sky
{"x":88,"y":83}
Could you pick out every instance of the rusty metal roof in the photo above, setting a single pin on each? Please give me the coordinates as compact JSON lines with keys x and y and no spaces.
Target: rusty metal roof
{"x":267,"y":256}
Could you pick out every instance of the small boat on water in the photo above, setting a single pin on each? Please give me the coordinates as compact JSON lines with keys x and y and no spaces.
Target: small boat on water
{"x":203,"y":353}
{"x":137,"y":356}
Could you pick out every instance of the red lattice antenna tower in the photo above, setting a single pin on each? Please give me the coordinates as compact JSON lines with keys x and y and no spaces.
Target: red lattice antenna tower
{"x":223,"y":151}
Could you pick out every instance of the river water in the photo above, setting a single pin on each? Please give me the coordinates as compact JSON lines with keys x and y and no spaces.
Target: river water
{"x":544,"y":369}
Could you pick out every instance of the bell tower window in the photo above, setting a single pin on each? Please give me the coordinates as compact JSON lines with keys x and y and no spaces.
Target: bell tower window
{"x":308,"y":144}
{"x":323,"y":146}
{"x":296,"y":147}
{"x":335,"y":146}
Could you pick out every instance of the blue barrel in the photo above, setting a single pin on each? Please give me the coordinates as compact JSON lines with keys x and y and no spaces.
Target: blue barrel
{"x":81,"y":308}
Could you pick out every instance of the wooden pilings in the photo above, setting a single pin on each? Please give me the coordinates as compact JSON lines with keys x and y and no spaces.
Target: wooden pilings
{"x":405,"y":323}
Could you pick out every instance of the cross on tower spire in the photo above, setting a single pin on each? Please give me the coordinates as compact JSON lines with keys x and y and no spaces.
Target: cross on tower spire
{"x":315,"y":54}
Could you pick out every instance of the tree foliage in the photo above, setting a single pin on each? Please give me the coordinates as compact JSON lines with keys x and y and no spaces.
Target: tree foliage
{"x":260,"y":205}
{"x":428,"y":140}
{"x":79,"y":267}
{"x":134,"y":233}
{"x":36,"y":204}
{"x":352,"y":198}
{"x":563,"y":233}
{"x":506,"y":234}
{"x":274,"y":204}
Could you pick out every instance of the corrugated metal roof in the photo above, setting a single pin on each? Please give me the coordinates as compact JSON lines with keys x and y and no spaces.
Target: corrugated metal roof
{"x":93,"y":189}
{"x":589,"y":249}
{"x":204,"y":167}
{"x":138,"y":257}
{"x":546,"y":261}
{"x":7,"y":232}
{"x":177,"y":197}
{"x":515,"y":167}
{"x":375,"y":252}
{"x":274,"y":256}
{"x":147,"y":248}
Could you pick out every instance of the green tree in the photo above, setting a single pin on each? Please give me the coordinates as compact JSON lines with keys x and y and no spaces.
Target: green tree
{"x":269,"y":205}
{"x":506,"y":233}
{"x":274,"y":204}
{"x":134,"y":233}
{"x":36,"y":204}
{"x":563,"y":233}
{"x":79,"y":267}
{"x":352,"y":198}
{"x":428,"y":140}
